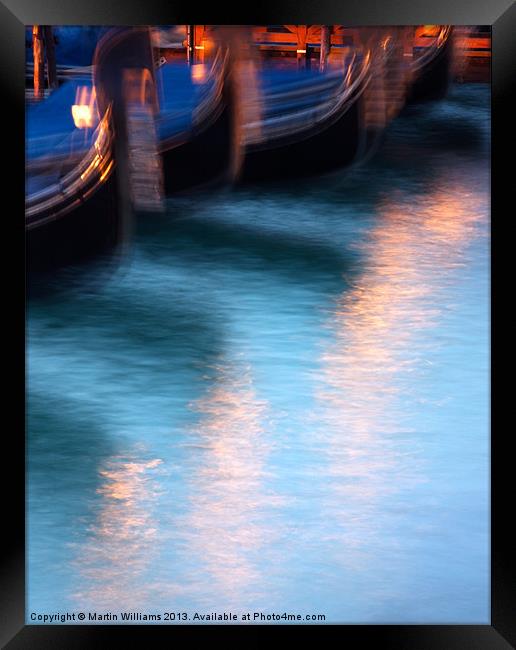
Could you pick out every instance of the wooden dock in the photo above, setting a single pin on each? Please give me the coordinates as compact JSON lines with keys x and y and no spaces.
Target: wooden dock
{"x":302,"y":43}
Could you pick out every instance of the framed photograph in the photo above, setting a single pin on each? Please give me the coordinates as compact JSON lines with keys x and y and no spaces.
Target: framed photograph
{"x":252,"y":353}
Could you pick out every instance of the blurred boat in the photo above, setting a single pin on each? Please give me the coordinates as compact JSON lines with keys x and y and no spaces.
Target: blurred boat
{"x":386,"y":90}
{"x":197,"y":123}
{"x":71,"y":207}
{"x":310,"y":121}
{"x":80,"y":180}
{"x":431,"y":67}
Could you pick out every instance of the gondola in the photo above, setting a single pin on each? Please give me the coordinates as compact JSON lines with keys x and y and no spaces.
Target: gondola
{"x":76,"y":206}
{"x":431,"y":70}
{"x":80,"y":179}
{"x":197,"y":125}
{"x":310,"y":123}
{"x":71,"y":207}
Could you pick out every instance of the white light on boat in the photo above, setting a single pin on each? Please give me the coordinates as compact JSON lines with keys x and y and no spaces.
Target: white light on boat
{"x":82,"y":116}
{"x":84,"y":111}
{"x":199,"y":73}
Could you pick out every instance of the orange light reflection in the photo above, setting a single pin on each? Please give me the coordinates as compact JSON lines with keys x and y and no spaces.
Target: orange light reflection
{"x":378,"y":348}
{"x":120,"y":545}
{"x":227,"y":523}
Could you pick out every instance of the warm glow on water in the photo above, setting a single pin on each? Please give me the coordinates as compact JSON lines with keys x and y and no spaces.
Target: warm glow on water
{"x":117,"y":548}
{"x":374,"y":359}
{"x":280,"y":403}
{"x":229,"y":488}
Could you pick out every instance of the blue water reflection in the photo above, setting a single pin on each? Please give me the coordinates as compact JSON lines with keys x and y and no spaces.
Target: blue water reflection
{"x":280,"y":403}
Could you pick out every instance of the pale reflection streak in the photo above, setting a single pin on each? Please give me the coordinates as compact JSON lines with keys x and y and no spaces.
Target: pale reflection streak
{"x":121,"y":543}
{"x":378,"y":347}
{"x":227,"y":523}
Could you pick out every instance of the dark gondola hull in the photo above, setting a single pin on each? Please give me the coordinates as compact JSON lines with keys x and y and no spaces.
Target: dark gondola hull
{"x":321,"y":151}
{"x":433,"y":80}
{"x":205,"y":158}
{"x":89,"y":213}
{"x":92,"y":228}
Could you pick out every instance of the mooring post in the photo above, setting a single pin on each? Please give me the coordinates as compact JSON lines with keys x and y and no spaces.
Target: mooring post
{"x":198,"y":43}
{"x":408,"y":35}
{"x":190,"y":43}
{"x":325,"y":46}
{"x":301,"y":45}
{"x":51,"y":57}
{"x":39,"y":61}
{"x":308,"y":56}
{"x":124,"y":78}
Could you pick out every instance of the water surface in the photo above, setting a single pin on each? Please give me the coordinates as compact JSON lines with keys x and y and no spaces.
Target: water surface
{"x":279,"y":403}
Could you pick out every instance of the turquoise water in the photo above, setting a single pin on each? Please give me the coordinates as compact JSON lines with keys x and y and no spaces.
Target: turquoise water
{"x":279,"y":401}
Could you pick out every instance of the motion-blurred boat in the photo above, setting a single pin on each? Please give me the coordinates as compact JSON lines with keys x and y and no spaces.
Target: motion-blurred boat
{"x":310,"y":120}
{"x":430,"y":66}
{"x":71,"y":206}
{"x":197,"y":123}
{"x":78,"y":174}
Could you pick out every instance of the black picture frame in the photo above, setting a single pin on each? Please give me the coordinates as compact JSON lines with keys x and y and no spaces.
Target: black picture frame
{"x":14,"y":15}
